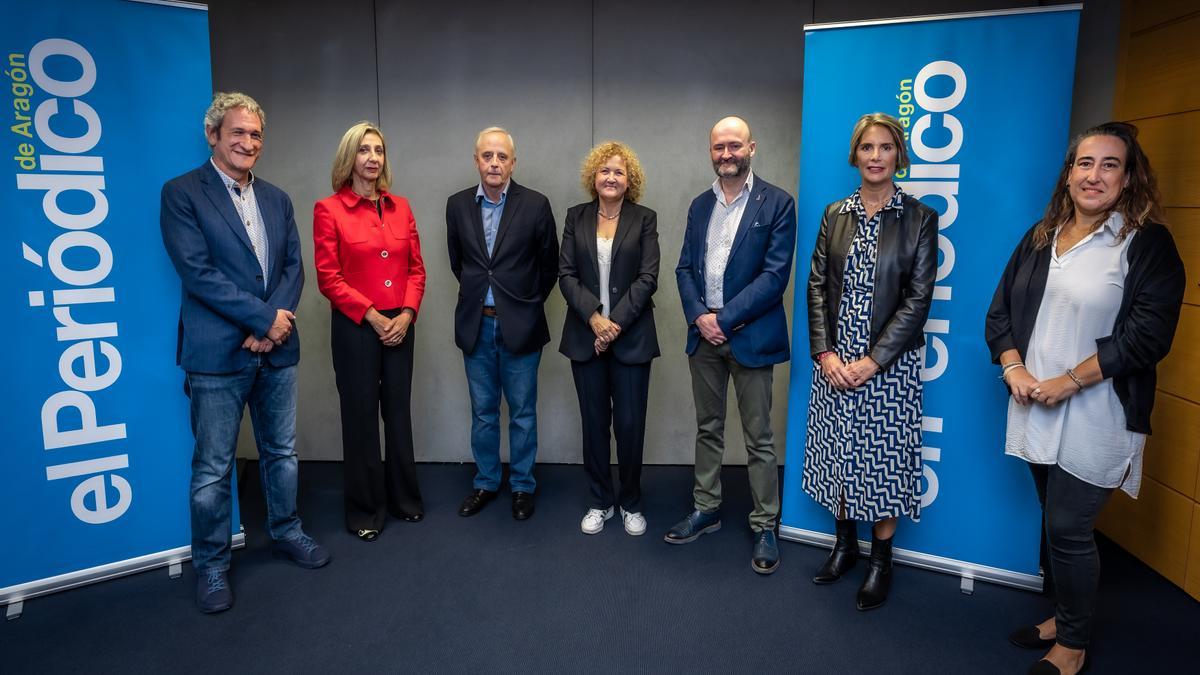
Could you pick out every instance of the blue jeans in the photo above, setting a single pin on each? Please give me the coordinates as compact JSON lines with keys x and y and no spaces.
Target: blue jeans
{"x":217,"y":405}
{"x":492,"y":369}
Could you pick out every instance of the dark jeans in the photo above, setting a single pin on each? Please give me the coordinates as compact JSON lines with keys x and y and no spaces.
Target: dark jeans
{"x":375,"y":380}
{"x":611,"y":391}
{"x":1070,"y":507}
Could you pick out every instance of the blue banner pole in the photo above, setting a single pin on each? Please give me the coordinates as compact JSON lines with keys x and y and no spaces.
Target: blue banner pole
{"x":986,"y":99}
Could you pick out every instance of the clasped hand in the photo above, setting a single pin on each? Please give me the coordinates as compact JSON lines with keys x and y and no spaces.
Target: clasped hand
{"x":605,"y":329}
{"x":391,"y":331}
{"x":280,"y":330}
{"x":1026,"y":388}
{"x":848,"y":376}
{"x":710,"y":330}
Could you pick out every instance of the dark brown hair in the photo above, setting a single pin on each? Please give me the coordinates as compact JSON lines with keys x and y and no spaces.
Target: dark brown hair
{"x":1138,"y":202}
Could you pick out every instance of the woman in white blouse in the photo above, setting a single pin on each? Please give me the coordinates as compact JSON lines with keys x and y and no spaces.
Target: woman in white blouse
{"x":608,"y":270}
{"x":1086,"y":308}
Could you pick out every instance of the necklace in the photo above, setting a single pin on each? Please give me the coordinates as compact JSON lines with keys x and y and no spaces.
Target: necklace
{"x":876,"y":205}
{"x":608,"y":217}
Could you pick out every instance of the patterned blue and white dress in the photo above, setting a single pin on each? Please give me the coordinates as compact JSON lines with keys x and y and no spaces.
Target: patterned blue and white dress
{"x":863,"y":445}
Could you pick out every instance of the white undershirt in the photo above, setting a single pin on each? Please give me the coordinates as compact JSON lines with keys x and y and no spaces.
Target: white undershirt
{"x":1086,"y":434}
{"x":604,"y":262}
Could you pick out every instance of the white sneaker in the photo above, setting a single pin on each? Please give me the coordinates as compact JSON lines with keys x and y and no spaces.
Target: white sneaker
{"x":593,"y":520}
{"x":635,"y":523}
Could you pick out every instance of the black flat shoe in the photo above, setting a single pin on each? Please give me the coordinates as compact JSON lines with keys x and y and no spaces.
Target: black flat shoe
{"x":368,"y":535}
{"x":412,"y":517}
{"x":1044,"y":667}
{"x":1028,"y":637}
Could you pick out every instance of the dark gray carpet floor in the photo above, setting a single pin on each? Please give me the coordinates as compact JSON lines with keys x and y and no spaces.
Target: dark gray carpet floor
{"x":487,"y":593}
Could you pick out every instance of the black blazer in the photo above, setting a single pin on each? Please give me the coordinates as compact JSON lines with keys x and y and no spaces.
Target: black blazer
{"x":521,"y":269}
{"x":633,"y":278}
{"x":1145,"y":324}
{"x":904,"y":274}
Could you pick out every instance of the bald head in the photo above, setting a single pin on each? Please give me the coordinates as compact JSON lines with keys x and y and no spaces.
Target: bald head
{"x":732,"y":125}
{"x":731,"y":147}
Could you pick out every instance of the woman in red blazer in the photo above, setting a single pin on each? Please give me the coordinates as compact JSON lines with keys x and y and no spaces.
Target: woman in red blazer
{"x":368,"y":258}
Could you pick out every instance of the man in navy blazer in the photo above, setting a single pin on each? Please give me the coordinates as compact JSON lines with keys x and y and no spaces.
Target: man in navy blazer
{"x":733,"y":270}
{"x":233,"y":241}
{"x":503,"y":249}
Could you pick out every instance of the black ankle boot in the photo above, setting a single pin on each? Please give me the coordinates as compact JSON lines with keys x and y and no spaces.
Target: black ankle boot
{"x":874,"y":590}
{"x":843,"y":556}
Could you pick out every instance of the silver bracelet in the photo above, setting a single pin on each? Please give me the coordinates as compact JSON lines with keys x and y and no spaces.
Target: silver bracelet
{"x":1009,"y":366}
{"x":1075,"y":378}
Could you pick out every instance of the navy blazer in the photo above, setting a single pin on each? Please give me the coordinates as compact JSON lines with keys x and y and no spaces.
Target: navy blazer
{"x":223,"y":295}
{"x":760,"y":264}
{"x":521,"y":270}
{"x":632,"y":280}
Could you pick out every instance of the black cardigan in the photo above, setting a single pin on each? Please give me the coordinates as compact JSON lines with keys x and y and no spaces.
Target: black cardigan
{"x":1145,"y":324}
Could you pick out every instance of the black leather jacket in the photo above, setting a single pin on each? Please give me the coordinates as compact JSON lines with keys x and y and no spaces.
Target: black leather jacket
{"x":904,"y":276}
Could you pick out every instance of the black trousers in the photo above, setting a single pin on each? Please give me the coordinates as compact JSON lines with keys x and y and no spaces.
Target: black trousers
{"x":611,"y":392}
{"x":373,"y":380}
{"x":1070,"y":507}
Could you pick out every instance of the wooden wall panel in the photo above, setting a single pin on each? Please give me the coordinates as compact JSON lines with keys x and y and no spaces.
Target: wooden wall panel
{"x":1192,"y":581}
{"x":1173,"y":451}
{"x":1173,"y":144}
{"x":1185,"y":228}
{"x":1156,"y":527}
{"x":1157,"y":61}
{"x":1158,"y":88}
{"x":1141,"y":15}
{"x":1179,"y":373}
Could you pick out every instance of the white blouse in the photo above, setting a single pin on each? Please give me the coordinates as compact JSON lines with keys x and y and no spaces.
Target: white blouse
{"x":604,"y":261}
{"x":1085,"y":435}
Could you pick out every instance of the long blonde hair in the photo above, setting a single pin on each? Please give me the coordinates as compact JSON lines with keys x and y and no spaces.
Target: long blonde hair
{"x":343,"y":159}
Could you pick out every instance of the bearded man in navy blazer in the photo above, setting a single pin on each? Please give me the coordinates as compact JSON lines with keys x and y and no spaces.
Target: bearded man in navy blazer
{"x":232,"y":238}
{"x":504,"y":252}
{"x":733,"y":270}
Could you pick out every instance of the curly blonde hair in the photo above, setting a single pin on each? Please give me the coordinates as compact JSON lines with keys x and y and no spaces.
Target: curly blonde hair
{"x":605,"y":151}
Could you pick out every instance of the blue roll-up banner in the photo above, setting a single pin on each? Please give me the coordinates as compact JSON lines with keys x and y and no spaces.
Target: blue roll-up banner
{"x":105,"y":103}
{"x":986,"y":100}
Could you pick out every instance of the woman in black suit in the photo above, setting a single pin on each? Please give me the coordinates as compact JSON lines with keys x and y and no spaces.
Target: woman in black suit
{"x":608,"y":269}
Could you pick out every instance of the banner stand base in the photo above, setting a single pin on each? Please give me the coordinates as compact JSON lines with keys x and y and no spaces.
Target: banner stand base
{"x":968,"y":572}
{"x":15,"y":596}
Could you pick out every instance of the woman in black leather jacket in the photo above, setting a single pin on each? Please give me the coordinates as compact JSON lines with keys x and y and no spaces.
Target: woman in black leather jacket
{"x":868,"y":297}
